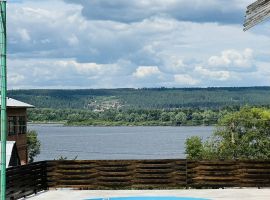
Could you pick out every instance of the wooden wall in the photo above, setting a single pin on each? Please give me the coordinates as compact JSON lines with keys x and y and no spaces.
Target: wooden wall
{"x":20,"y":139}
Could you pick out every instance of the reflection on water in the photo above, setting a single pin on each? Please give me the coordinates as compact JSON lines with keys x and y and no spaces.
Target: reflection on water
{"x":98,"y":143}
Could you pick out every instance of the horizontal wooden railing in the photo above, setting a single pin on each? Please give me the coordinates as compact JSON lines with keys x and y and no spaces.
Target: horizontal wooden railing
{"x":135,"y":174}
{"x":26,"y":180}
{"x":117,"y":174}
{"x":157,"y":174}
{"x":218,"y":174}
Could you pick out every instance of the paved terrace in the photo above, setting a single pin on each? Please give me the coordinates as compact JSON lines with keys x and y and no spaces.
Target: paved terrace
{"x":217,"y":194}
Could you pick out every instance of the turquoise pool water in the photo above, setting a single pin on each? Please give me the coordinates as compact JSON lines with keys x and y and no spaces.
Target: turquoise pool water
{"x":149,"y":198}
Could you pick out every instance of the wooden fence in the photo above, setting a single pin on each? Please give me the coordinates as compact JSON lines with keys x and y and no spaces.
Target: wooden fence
{"x":144,"y":174}
{"x":25,"y":180}
{"x":135,"y":174}
{"x":117,"y":174}
{"x":220,"y":174}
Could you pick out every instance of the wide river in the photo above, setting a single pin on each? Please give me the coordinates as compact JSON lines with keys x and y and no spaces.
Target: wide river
{"x":98,"y":143}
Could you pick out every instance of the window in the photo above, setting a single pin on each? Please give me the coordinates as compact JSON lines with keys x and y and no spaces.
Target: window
{"x":12,"y":125}
{"x":16,"y":125}
{"x":22,"y":125}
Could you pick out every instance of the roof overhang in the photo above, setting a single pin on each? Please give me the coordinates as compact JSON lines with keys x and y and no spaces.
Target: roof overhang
{"x":256,"y":13}
{"x":13,"y":103}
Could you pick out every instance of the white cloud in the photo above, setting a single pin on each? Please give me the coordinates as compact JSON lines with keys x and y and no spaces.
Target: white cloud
{"x":15,"y":78}
{"x":172,"y":63}
{"x":62,"y":48}
{"x":233,"y":59}
{"x":23,"y":33}
{"x":66,"y":73}
{"x":184,"y":79}
{"x":89,"y":68}
{"x":229,"y":11}
{"x":82,"y":68}
{"x":73,"y":40}
{"x":215,"y":75}
{"x":146,"y":71}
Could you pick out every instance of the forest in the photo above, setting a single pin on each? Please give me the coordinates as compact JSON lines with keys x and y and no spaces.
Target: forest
{"x":132,"y":117}
{"x":139,"y":107}
{"x":145,"y":98}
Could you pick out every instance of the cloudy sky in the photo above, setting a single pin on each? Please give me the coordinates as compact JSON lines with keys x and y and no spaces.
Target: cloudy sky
{"x":134,"y":43}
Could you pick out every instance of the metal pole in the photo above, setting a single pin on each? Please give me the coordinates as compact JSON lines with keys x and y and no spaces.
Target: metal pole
{"x":3,"y":99}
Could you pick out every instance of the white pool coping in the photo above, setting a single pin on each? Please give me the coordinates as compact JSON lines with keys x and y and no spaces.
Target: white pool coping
{"x":213,"y":194}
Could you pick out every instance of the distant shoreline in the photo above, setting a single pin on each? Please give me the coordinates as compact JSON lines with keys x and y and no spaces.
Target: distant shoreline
{"x":114,"y":125}
{"x":45,"y":122}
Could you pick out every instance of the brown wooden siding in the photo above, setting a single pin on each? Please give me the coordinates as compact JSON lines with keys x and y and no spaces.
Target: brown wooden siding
{"x":20,"y":139}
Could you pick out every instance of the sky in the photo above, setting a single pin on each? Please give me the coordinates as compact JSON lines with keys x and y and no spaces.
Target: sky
{"x":71,"y":44}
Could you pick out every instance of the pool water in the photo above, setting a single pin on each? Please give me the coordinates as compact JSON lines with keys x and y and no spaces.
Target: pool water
{"x":149,"y":198}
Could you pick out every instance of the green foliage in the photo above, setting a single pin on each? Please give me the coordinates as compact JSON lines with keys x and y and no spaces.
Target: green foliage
{"x":241,"y":135}
{"x":66,"y":158}
{"x":172,"y":117}
{"x":165,"y":117}
{"x":147,"y":106}
{"x":146,"y":98}
{"x":194,"y":148}
{"x":209,"y":117}
{"x":180,"y":118}
{"x":33,"y":145}
{"x":197,"y":118}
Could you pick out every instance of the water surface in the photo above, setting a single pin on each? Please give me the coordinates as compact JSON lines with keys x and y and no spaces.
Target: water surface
{"x":91,"y":143}
{"x":150,"y":198}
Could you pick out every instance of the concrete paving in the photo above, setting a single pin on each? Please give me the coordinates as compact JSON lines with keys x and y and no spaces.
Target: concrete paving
{"x":218,"y":194}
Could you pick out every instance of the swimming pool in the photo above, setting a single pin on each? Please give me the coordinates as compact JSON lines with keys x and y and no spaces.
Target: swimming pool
{"x":149,"y":198}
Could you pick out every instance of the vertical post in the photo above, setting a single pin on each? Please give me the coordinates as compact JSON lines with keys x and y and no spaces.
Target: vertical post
{"x":3,"y":99}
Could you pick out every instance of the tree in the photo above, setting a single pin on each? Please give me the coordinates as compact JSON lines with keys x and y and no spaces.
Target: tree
{"x":165,"y":116}
{"x":194,"y":148}
{"x":241,"y":135}
{"x":33,"y":145}
{"x":209,"y":117}
{"x":143,"y":117}
{"x":197,"y":118}
{"x":180,"y":118}
{"x":119,"y":117}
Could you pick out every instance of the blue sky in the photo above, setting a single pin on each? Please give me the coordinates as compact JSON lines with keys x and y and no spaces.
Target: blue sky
{"x":135,"y":43}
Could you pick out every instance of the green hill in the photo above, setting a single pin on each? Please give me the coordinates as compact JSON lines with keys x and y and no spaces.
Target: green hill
{"x":146,"y":98}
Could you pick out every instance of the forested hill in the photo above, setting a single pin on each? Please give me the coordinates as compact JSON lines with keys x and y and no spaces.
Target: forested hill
{"x":152,"y":98}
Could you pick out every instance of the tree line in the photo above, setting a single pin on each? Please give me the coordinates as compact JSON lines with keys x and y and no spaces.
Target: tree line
{"x":113,"y":117}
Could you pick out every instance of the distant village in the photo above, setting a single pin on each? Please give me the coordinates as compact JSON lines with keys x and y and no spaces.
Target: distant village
{"x":101,"y":106}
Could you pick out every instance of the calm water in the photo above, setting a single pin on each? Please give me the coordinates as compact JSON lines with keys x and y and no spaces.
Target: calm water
{"x":150,"y":198}
{"x":114,"y":142}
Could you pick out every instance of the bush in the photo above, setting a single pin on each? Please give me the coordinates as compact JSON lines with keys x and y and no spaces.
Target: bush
{"x":33,"y":145}
{"x":194,"y":148}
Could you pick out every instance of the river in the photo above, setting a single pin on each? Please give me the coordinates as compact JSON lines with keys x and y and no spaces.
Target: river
{"x":99,"y":143}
